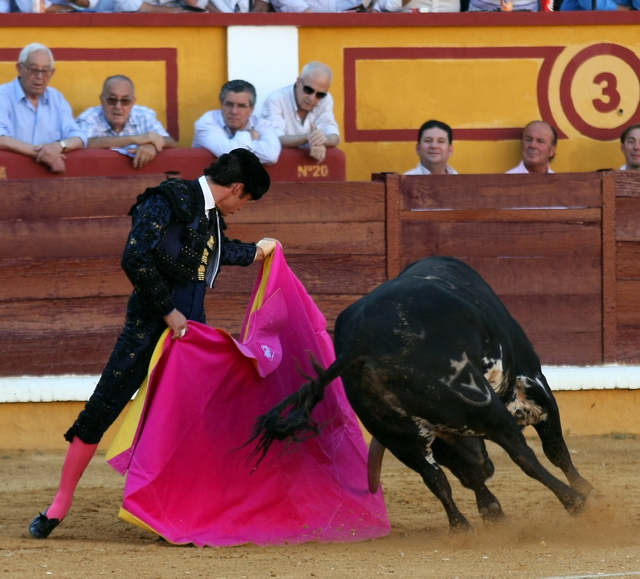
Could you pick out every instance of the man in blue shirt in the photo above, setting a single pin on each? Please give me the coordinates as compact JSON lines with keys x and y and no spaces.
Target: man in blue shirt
{"x":36,"y":120}
{"x":124,"y":126}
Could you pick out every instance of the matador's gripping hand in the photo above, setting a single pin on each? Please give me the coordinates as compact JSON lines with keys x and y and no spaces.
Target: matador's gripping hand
{"x":177,"y":322}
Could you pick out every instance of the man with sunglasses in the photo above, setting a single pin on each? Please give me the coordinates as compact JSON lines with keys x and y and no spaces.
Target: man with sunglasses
{"x":36,"y":120}
{"x":120,"y":124}
{"x":302,"y":114}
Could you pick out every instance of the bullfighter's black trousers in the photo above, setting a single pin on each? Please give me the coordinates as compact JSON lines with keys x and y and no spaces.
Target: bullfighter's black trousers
{"x":129,"y":362}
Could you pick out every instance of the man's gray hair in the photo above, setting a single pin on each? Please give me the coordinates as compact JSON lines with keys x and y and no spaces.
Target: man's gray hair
{"x":121,"y":77}
{"x":239,"y":86}
{"x":316,"y":66}
{"x":28,"y":50}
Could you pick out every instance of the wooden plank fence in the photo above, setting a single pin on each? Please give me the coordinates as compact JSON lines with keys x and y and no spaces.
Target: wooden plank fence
{"x":563,"y":251}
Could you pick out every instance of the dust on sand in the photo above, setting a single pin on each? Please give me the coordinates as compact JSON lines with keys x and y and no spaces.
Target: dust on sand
{"x":538,"y":540}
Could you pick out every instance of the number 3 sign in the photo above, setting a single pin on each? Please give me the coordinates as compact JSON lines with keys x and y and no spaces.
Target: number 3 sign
{"x":600,"y":91}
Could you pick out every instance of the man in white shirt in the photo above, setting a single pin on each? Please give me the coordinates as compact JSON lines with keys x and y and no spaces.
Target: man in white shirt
{"x":435,"y":146}
{"x":236,"y":127}
{"x":630,"y":148}
{"x":302,"y":114}
{"x":539,"y":140}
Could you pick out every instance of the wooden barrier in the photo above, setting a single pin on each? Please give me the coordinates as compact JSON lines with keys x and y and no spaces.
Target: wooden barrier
{"x":64,"y":295}
{"x":563,"y":252}
{"x":560,"y":250}
{"x":293,"y":165}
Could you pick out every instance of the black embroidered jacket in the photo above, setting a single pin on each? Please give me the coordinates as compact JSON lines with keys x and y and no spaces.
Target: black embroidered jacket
{"x":176,"y":209}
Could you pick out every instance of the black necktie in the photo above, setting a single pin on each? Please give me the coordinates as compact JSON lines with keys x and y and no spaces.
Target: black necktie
{"x":214,"y":256}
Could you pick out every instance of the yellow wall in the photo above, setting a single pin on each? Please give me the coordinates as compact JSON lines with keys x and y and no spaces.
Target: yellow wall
{"x":398,"y":93}
{"x":466,"y":94}
{"x":41,"y":426}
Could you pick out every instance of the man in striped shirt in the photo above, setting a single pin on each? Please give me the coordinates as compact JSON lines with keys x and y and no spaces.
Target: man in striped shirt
{"x":120,"y":124}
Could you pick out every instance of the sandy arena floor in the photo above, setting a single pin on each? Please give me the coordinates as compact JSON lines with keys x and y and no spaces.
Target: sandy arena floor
{"x":539,"y":540}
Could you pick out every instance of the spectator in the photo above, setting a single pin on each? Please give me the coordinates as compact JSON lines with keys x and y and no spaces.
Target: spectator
{"x":539,"y":141}
{"x":302,"y":114}
{"x":316,"y":5}
{"x":435,"y":146}
{"x":630,"y":147}
{"x":36,"y":120}
{"x":600,"y":5}
{"x":235,"y":126}
{"x":121,"y":124}
{"x":494,"y":5}
{"x":419,"y":5}
{"x":50,"y":6}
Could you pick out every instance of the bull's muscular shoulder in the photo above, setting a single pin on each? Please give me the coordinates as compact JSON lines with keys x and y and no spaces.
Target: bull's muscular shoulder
{"x":184,"y":198}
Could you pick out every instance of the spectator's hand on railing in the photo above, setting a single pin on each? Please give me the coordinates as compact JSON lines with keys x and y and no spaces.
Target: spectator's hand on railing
{"x":151,"y":138}
{"x":144,"y":154}
{"x":316,"y":137}
{"x":318,"y":152}
{"x":51,"y":156}
{"x":260,"y":6}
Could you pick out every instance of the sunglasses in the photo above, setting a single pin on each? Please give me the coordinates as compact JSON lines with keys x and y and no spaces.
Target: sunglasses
{"x":113,"y":101}
{"x":308,"y":90}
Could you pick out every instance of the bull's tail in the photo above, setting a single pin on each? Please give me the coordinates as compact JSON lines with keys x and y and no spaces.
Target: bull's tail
{"x":291,"y":419}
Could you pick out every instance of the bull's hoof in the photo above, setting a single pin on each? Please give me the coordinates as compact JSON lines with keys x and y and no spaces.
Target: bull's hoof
{"x":576,"y":504}
{"x":460,"y":525}
{"x":492,"y":513}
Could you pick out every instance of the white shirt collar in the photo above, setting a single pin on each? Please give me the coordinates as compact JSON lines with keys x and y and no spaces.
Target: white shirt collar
{"x":209,"y":202}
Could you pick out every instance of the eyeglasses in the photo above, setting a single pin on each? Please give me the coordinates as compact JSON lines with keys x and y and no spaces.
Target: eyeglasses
{"x":113,"y":101}
{"x":35,"y":71}
{"x":308,"y":90}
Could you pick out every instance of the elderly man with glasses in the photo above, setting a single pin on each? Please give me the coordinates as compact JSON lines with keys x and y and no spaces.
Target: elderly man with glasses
{"x":120,"y":124}
{"x":235,"y":126}
{"x":36,"y":120}
{"x":302,"y":114}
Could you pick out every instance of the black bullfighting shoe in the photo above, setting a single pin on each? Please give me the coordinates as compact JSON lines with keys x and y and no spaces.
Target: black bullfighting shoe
{"x":41,"y":526}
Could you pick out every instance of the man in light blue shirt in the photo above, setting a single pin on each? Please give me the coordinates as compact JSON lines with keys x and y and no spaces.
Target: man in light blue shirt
{"x":36,"y":120}
{"x":124,"y":126}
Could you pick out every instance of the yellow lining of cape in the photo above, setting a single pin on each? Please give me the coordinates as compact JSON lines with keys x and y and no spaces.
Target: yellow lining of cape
{"x":124,"y":438}
{"x":262,"y":290}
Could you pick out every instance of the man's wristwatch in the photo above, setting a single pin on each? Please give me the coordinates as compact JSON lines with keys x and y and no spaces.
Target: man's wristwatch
{"x":63,"y":144}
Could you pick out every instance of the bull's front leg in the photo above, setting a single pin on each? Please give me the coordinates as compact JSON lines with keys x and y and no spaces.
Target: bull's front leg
{"x":556,"y":450}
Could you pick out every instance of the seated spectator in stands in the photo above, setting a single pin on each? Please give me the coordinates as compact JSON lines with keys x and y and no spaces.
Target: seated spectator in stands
{"x":171,"y":6}
{"x":494,"y":5}
{"x":631,"y":148}
{"x":234,"y":5}
{"x":235,"y":126}
{"x":36,"y":120}
{"x":317,"y":5}
{"x":435,"y":146}
{"x":419,"y":5}
{"x":539,"y":140}
{"x":600,"y":5}
{"x":302,"y":114}
{"x":121,"y":124}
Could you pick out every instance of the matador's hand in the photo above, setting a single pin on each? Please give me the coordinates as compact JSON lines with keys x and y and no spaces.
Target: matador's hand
{"x":178,"y":324}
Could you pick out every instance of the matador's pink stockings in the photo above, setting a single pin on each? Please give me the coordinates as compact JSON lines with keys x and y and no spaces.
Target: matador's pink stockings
{"x":78,"y":457}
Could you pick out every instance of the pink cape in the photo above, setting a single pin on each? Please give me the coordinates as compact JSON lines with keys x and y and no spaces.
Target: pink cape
{"x":188,"y":479}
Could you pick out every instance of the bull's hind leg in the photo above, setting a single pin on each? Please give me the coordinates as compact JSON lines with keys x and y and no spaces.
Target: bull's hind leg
{"x":472,"y":467}
{"x":417,"y":455}
{"x":549,"y":430}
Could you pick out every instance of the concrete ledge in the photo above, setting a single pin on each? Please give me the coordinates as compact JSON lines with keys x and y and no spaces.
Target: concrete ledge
{"x":79,"y":388}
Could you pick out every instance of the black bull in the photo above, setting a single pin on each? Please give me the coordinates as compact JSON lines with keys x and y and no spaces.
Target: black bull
{"x":433,"y":363}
